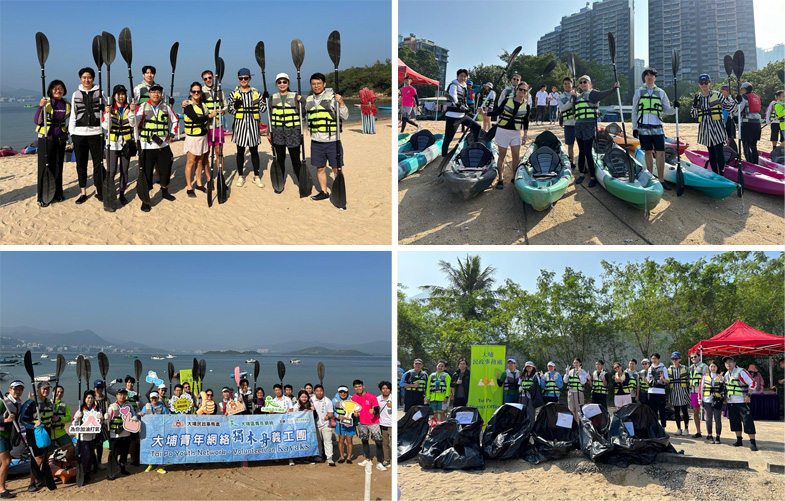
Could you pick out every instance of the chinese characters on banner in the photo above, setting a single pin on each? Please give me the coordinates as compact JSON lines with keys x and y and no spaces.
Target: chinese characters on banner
{"x":484,"y":393}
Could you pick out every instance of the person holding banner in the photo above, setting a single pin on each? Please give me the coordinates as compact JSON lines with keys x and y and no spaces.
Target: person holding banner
{"x":304,"y":404}
{"x":175,"y":403}
{"x":324,"y":411}
{"x":576,"y":379}
{"x":344,"y":427}
{"x":510,"y":382}
{"x":259,"y":401}
{"x":119,"y":437}
{"x":280,"y":400}
{"x":154,"y":407}
{"x":85,"y":440}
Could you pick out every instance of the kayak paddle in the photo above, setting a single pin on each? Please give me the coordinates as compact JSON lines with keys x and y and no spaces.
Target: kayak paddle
{"x":173,"y":61}
{"x":87,"y":371}
{"x":108,"y":52}
{"x":202,"y":370}
{"x":237,"y":378}
{"x":103,"y":366}
{"x":281,"y":372}
{"x":170,"y":368}
{"x":126,"y":50}
{"x":138,"y":371}
{"x":41,"y":474}
{"x":675,"y":60}
{"x":571,"y":65}
{"x":255,"y":377}
{"x":303,"y":178}
{"x":222,"y":187}
{"x":98,"y":174}
{"x":338,"y":193}
{"x":277,"y":175}
{"x":454,"y":151}
{"x":320,"y":373}
{"x":195,"y":376}
{"x":48,"y":179}
{"x":738,"y":70}
{"x":548,"y":68}
{"x":612,"y":48}
{"x":60,"y":368}
{"x":211,"y":182}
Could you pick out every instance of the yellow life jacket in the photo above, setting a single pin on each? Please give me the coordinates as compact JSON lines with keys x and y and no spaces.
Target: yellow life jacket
{"x":715,"y":108}
{"x":120,"y":126}
{"x":321,"y":117}
{"x":62,"y":411}
{"x":735,"y":386}
{"x":283,"y":111}
{"x":712,"y":386}
{"x":696,"y":373}
{"x":779,"y":110}
{"x":551,"y":388}
{"x":51,"y":123}
{"x":585,"y":110}
{"x":155,"y":123}
{"x":597,"y":387}
{"x":438,"y":384}
{"x":255,"y":100}
{"x":574,"y":381}
{"x":421,"y":380}
{"x":678,"y":377}
{"x":193,"y":128}
{"x":649,"y":103}
{"x":116,"y":424}
{"x":643,"y":382}
{"x":519,"y":116}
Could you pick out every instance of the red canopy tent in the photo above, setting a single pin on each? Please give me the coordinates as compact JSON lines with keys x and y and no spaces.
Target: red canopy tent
{"x":741,"y":339}
{"x":417,"y":79}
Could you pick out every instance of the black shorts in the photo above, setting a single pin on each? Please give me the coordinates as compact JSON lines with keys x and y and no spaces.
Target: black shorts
{"x":740,"y":414}
{"x":655,"y":142}
{"x":776,"y":133}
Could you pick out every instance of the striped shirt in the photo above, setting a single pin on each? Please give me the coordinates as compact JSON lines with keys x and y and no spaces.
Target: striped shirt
{"x":711,"y":132}
{"x":245,"y":131}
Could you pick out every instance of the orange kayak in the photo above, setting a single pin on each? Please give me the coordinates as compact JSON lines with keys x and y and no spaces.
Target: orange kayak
{"x":633,"y":143}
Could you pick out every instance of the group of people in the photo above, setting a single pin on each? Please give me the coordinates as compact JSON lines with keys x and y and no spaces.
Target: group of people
{"x":698,"y":385}
{"x":370,"y":417}
{"x":114,"y":130}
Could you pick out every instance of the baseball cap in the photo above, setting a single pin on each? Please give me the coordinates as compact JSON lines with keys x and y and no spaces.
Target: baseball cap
{"x":17,"y":382}
{"x":280,"y":76}
{"x":244,"y":72}
{"x":704,"y":77}
{"x":675,"y":354}
{"x":417,"y":361}
{"x":551,"y":364}
{"x":99,"y":383}
{"x":154,"y":394}
{"x":512,"y":360}
{"x":156,"y":87}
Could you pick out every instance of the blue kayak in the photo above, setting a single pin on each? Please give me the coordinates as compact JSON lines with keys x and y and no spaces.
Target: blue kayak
{"x":696,"y":177}
{"x":420,"y":150}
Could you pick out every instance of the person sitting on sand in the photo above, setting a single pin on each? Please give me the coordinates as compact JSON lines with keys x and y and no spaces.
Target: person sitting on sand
{"x":345,"y":426}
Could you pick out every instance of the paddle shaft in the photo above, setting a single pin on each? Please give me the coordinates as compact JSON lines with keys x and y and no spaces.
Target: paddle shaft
{"x":46,"y":126}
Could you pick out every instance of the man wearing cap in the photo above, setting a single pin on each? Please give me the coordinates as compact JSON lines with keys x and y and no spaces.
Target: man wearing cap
{"x":697,"y":370}
{"x":749,"y":113}
{"x":509,"y":381}
{"x":37,"y":412}
{"x":738,"y":384}
{"x":10,"y":410}
{"x":119,"y":437}
{"x":649,"y":105}
{"x":410,"y":104}
{"x":551,"y":383}
{"x":707,"y":107}
{"x":414,"y":385}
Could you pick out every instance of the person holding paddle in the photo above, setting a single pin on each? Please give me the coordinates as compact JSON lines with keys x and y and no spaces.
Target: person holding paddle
{"x":246,"y":103}
{"x":157,"y":127}
{"x":84,"y":125}
{"x":61,"y":414}
{"x":707,"y":107}
{"x":285,"y":123}
{"x":196,"y":117}
{"x":457,"y":93}
{"x":324,"y":409}
{"x":586,"y":106}
{"x":215,"y":101}
{"x":119,"y":120}
{"x":323,"y":126}
{"x":37,"y":413}
{"x":119,"y":437}
{"x":10,"y":410}
{"x":52,"y":137}
{"x":513,"y":116}
{"x":649,"y":104}
{"x":85,"y":440}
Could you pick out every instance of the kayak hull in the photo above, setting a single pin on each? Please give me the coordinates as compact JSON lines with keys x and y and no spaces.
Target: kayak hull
{"x":468,"y":184}
{"x":644,"y":197}
{"x":403,"y":137}
{"x":756,"y":177}
{"x":409,"y":164}
{"x":541,"y":193}
{"x":696,"y":177}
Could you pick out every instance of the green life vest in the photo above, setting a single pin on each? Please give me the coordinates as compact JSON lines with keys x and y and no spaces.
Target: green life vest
{"x":62,"y":411}
{"x":735,"y":386}
{"x":568,"y":114}
{"x":779,"y":110}
{"x":551,"y":388}
{"x":284,"y":113}
{"x":574,"y":381}
{"x":597,"y":388}
{"x":438,"y":384}
{"x":421,"y":380}
{"x":585,"y":110}
{"x":649,"y":103}
{"x":526,"y":382}
{"x":155,"y":123}
{"x":321,"y":117}
{"x":696,"y":373}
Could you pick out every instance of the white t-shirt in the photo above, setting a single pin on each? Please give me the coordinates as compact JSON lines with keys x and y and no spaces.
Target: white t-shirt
{"x":284,"y":402}
{"x":542,"y":98}
{"x":385,"y":418}
{"x":323,"y":407}
{"x":553,"y":96}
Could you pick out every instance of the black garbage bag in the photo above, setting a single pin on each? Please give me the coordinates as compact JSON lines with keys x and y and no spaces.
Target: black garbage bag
{"x":642,"y":447}
{"x":507,"y":433}
{"x":455,"y":443}
{"x":593,"y":434}
{"x":412,"y":429}
{"x":552,"y":441}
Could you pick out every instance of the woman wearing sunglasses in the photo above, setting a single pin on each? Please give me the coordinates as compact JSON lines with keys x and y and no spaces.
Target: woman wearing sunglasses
{"x":285,"y":123}
{"x":196,"y":116}
{"x":707,"y":108}
{"x":586,"y":106}
{"x":513,"y":116}
{"x":246,"y":103}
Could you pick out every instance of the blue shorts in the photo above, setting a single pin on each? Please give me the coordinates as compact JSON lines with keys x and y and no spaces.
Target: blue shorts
{"x":348,"y":431}
{"x":5,"y":445}
{"x":569,"y":135}
{"x":648,"y":143}
{"x":321,"y":153}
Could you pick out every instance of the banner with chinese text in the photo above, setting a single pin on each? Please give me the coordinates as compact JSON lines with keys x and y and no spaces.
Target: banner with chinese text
{"x":484,"y":393}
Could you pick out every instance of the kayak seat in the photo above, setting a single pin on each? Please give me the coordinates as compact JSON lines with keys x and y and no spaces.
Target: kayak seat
{"x":778,"y":155}
{"x":476,"y":156}
{"x":731,"y":156}
{"x":604,"y":143}
{"x":420,"y":141}
{"x":613,"y":129}
{"x":616,"y":161}
{"x":545,"y":163}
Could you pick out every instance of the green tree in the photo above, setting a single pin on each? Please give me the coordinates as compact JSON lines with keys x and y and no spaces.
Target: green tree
{"x":424,"y":63}
{"x":469,"y":293}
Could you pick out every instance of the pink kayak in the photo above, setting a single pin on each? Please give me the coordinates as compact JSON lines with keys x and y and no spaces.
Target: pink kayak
{"x":756,"y":177}
{"x":765,"y":160}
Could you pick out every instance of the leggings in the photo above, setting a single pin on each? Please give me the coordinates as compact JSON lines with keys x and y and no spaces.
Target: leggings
{"x":657,"y":404}
{"x":406,"y":120}
{"x":86,"y":455}
{"x":55,"y":154}
{"x":119,"y":447}
{"x":379,"y":450}
{"x":683,"y":410}
{"x":449,"y":133}
{"x":710,"y":414}
{"x":717,"y":158}
{"x":118,"y":162}
{"x":585,"y":156}
{"x":294,"y":155}
{"x":750,"y":135}
{"x":254,"y":159}
{"x":84,"y":146}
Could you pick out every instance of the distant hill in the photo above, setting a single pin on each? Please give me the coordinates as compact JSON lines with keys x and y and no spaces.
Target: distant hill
{"x":230,"y":352}
{"x":74,"y":338}
{"x":324,"y":352}
{"x":380,"y":347}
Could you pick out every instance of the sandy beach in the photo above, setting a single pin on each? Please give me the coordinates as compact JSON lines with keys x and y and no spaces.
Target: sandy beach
{"x":429,"y":214}
{"x":576,"y":477}
{"x":260,"y":480}
{"x":251,"y":216}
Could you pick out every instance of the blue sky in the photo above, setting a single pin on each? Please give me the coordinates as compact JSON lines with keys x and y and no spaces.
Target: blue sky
{"x":342,"y":297}
{"x":70,"y":26}
{"x":476,"y":38}
{"x":422,"y":267}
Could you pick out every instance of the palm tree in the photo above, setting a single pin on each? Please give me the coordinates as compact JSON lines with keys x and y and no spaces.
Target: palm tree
{"x":469,"y":291}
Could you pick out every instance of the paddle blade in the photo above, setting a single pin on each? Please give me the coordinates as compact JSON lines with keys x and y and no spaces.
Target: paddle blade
{"x":334,"y":47}
{"x":142,"y":189}
{"x":173,"y":55}
{"x":612,"y":46}
{"x":41,"y":48}
{"x":256,"y":369}
{"x":304,"y":181}
{"x":79,"y":367}
{"x":679,"y":181}
{"x":217,"y":50}
{"x":87,"y":371}
{"x":138,"y":369}
{"x":222,"y":189}
{"x":110,"y":192}
{"x":60,"y":365}
{"x":210,"y":192}
{"x":170,"y":370}
{"x":103,"y":364}
{"x":338,"y":194}
{"x":259,"y":53}
{"x":195,"y":369}
{"x":320,"y":371}
{"x":237,"y":375}
{"x":277,"y":176}
{"x":108,"y":47}
{"x":728,"y":65}
{"x":781,"y":75}
{"x":126,"y":47}
{"x":549,"y":68}
{"x":571,"y":64}
{"x":513,"y":55}
{"x":97,"y":53}
{"x":79,"y":474}
{"x":47,"y":186}
{"x":281,"y":370}
{"x":29,"y":364}
{"x":298,"y":53}
{"x":219,"y":69}
{"x":50,"y":479}
{"x":738,"y":63}
{"x":675,"y":61}
{"x":741,"y":178}
{"x":202,"y":369}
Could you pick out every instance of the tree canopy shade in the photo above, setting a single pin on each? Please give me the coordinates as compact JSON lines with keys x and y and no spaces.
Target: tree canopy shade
{"x":417,"y":79}
{"x":741,"y":339}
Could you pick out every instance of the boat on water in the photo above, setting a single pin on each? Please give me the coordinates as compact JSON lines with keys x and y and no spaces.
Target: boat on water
{"x":250,"y":361}
{"x":46,"y":377}
{"x":4,"y":375}
{"x":243,"y":374}
{"x":156,"y":357}
{"x":169,"y":355}
{"x":294,"y":361}
{"x":71,"y":362}
{"x":44,"y":355}
{"x":7,"y":362}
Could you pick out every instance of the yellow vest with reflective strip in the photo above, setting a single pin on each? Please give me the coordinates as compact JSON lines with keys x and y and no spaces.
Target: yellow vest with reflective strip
{"x":192,"y":128}
{"x":320,"y":118}
{"x":597,"y":387}
{"x":507,"y":116}
{"x":120,"y":126}
{"x":715,"y":108}
{"x":155,"y":124}
{"x":585,"y":110}
{"x":254,"y":110}
{"x":735,"y":386}
{"x":283,"y":111}
{"x":712,"y":386}
{"x":63,"y":125}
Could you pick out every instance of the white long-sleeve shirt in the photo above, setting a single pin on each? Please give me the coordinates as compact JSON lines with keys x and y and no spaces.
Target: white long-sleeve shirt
{"x":74,"y":129}
{"x":746,"y":378}
{"x":174,"y":122}
{"x":652,"y":381}
{"x":649,"y":118}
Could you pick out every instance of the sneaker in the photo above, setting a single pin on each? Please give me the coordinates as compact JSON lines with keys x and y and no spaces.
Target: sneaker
{"x":32,"y":488}
{"x":717,"y":439}
{"x":386,"y":464}
{"x":331,"y":462}
{"x":82,"y":199}
{"x":419,"y":128}
{"x":500,"y":185}
{"x":322,"y":195}
{"x":364,"y":462}
{"x":579,"y":180}
{"x":381,"y":467}
{"x":6,"y":494}
{"x":190,"y":193}
{"x":737,"y":443}
{"x":145,"y":207}
{"x":710,"y":439}
{"x":665,"y":185}
{"x":166,"y":196}
{"x":697,"y":435}
{"x":149,"y":468}
{"x":161,"y":471}
{"x":592,"y":183}
{"x":678,"y":432}
{"x":240,"y":181}
{"x":291,"y":462}
{"x":258,"y":182}
{"x":753,"y":446}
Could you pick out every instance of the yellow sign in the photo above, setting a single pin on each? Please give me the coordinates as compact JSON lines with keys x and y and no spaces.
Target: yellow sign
{"x":181,"y":404}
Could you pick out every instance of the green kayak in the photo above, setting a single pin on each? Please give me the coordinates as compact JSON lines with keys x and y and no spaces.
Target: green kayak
{"x":544,"y":172}
{"x":403,"y":137}
{"x":419,"y":151}
{"x":611,"y":168}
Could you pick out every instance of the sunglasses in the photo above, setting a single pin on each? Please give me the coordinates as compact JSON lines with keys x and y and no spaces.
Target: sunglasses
{"x":282,"y":82}
{"x":583,"y":82}
{"x":207,"y":78}
{"x":209,"y":394}
{"x":703,"y":82}
{"x":196,"y":91}
{"x":244,"y":78}
{"x":521,"y":89}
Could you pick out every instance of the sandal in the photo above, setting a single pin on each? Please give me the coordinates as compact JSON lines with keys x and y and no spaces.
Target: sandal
{"x":342,"y":460}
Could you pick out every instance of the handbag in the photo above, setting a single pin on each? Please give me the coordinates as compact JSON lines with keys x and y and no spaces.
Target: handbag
{"x":717,"y":403}
{"x":129,"y":149}
{"x":42,"y":440}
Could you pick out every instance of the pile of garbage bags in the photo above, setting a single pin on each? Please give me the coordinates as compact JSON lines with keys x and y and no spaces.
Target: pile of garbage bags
{"x":554,"y":433}
{"x":412,"y":430}
{"x":455,"y":443}
{"x":507,"y":433}
{"x":637,"y":436}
